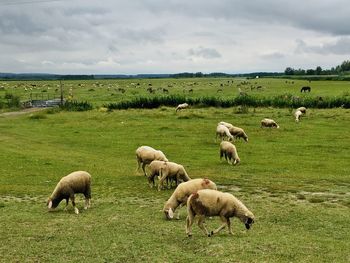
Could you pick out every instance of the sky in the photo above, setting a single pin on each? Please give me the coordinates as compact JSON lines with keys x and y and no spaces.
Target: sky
{"x":171,"y":36}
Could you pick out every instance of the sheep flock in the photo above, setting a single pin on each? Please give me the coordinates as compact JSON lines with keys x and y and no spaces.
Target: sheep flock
{"x":200,"y":195}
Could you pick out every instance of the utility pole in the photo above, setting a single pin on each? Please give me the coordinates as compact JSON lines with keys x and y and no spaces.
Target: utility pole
{"x":61,"y":88}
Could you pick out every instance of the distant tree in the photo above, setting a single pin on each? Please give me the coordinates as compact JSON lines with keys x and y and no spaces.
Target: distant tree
{"x":310,"y":72}
{"x":318,"y":70}
{"x":198,"y":75}
{"x":289,"y":71}
{"x":345,"y":66}
{"x":299,"y":72}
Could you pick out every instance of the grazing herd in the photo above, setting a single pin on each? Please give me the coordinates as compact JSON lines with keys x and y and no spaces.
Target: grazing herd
{"x":200,"y":195}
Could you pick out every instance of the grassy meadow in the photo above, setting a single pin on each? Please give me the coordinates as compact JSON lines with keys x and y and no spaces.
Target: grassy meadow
{"x":102,"y":92}
{"x":294,"y":179}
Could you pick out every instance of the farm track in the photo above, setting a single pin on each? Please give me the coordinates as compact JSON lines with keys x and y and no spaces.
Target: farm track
{"x":16,"y":113}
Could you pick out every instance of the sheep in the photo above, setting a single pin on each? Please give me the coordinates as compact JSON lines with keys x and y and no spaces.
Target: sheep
{"x":269,"y":123}
{"x":182,"y":106}
{"x":145,"y":155}
{"x":208,"y":202}
{"x":238,"y":133}
{"x":227,"y":124}
{"x":302,"y":109}
{"x":68,"y":186}
{"x":222,"y":131}
{"x":297,"y":115}
{"x":181,"y":194}
{"x":228,"y":150}
{"x":172,"y":170}
{"x":154,"y":170}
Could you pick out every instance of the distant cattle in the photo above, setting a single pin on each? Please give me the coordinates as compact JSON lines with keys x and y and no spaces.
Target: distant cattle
{"x":305,"y":89}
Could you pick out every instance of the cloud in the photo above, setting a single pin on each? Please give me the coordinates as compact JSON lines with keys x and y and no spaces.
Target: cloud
{"x":272,"y":55}
{"x":207,"y":53}
{"x":339,"y":47}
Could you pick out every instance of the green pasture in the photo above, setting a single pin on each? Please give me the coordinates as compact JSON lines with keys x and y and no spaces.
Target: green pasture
{"x":101,"y":92}
{"x":294,"y":179}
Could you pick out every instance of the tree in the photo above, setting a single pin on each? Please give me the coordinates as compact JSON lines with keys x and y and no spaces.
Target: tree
{"x":318,"y":70}
{"x":289,"y":71}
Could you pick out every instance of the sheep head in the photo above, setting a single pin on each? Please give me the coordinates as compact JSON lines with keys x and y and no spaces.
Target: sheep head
{"x":249,"y":220}
{"x":169,"y":214}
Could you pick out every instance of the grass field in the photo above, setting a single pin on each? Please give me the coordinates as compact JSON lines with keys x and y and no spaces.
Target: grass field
{"x":294,"y":179}
{"x":100,"y":92}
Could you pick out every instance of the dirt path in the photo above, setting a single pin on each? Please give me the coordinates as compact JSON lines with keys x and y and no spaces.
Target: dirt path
{"x":25,"y":111}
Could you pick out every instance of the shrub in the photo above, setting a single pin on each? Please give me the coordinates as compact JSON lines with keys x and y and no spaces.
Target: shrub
{"x":76,"y":106}
{"x":13,"y":101}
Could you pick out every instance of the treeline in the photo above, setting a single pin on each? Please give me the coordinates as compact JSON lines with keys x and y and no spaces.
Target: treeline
{"x":343,"y":68}
{"x":221,"y":74}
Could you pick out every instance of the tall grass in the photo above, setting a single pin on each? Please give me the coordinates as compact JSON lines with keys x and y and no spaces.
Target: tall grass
{"x":281,"y":101}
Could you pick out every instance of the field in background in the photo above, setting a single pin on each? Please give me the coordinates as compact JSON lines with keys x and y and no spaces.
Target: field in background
{"x":294,"y":179}
{"x":100,"y":92}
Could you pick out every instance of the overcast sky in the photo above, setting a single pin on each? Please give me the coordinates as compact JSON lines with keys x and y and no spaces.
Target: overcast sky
{"x":168,"y":36}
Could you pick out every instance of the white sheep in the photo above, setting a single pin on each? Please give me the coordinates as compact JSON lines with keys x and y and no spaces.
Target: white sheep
{"x":302,"y":109}
{"x":154,"y":170}
{"x":68,"y":186}
{"x":172,"y":170}
{"x":227,"y":124}
{"x":228,"y":150}
{"x":297,"y":115}
{"x":145,"y":155}
{"x":223,"y":132}
{"x":238,"y":133}
{"x":269,"y":123}
{"x":208,"y":202}
{"x":182,"y":106}
{"x":181,"y":194}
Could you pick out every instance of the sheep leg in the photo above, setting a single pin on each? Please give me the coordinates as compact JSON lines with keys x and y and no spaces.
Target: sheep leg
{"x":189,"y":222}
{"x":143,"y":168}
{"x":221,"y":154}
{"x":201,"y":225}
{"x":87,"y":203}
{"x":67,"y":200}
{"x":76,"y":210}
{"x":163,"y":177}
{"x":225,"y":222}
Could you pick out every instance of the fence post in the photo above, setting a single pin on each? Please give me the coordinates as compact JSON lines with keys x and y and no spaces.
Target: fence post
{"x":61,"y":92}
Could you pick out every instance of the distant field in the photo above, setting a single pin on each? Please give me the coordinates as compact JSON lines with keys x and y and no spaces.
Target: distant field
{"x":100,"y":92}
{"x":294,"y":179}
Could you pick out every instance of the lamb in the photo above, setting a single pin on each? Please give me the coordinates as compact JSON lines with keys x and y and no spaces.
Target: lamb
{"x":68,"y":186}
{"x":181,"y":194}
{"x":145,"y":155}
{"x":238,"y":133}
{"x":208,"y":202}
{"x":172,"y":170}
{"x":182,"y":106}
{"x":228,"y":150}
{"x":297,"y":115}
{"x":223,"y":132}
{"x":269,"y":123}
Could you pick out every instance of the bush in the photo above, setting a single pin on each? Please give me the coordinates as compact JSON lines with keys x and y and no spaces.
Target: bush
{"x":76,"y":106}
{"x":13,"y":101}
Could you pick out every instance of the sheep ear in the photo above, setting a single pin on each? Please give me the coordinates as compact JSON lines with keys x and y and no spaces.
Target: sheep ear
{"x":171,"y":213}
{"x":50,"y":204}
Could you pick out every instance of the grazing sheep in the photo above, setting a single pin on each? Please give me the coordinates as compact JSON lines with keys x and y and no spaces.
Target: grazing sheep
{"x":145,"y":155}
{"x":208,"y":202}
{"x":181,"y":194}
{"x":302,"y":109}
{"x":182,"y":106}
{"x":228,"y":150}
{"x":68,"y":186}
{"x":238,"y":133}
{"x":269,"y":123}
{"x":227,"y":124}
{"x":297,"y":115}
{"x":172,"y":170}
{"x":223,"y":132}
{"x":154,"y":170}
